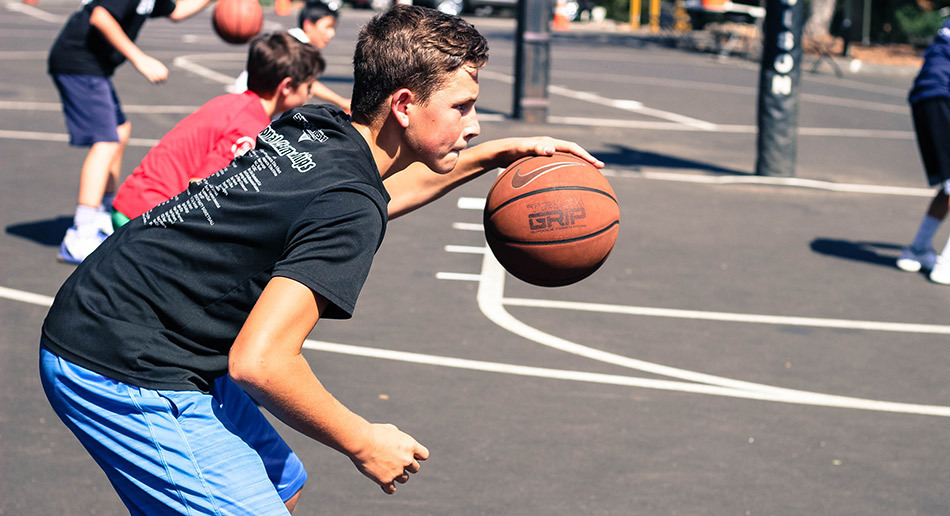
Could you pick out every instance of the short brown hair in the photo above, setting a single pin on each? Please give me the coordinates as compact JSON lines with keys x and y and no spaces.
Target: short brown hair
{"x":277,"y":55}
{"x":410,"y":47}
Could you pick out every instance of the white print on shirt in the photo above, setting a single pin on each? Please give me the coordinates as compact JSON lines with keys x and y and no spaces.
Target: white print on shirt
{"x":171,"y":211}
{"x":300,"y":161}
{"x":242,"y":145}
{"x":145,"y":7}
{"x":310,"y":132}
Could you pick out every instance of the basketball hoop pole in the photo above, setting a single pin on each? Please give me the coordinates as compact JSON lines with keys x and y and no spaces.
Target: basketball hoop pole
{"x":532,"y":61}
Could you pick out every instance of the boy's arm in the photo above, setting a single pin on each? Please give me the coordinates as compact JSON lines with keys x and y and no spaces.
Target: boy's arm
{"x":265,"y":361}
{"x":417,"y":185}
{"x":104,"y":22}
{"x":319,"y":89}
{"x":187,"y":8}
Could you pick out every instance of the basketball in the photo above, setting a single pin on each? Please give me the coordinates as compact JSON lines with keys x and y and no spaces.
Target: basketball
{"x":237,"y":21}
{"x":551,"y":220}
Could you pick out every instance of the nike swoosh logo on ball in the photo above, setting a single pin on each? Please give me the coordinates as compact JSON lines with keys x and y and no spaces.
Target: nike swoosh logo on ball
{"x":519,"y":180}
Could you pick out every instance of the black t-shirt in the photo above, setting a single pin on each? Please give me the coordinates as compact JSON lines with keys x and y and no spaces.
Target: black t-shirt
{"x":80,"y":49}
{"x":161,"y":301}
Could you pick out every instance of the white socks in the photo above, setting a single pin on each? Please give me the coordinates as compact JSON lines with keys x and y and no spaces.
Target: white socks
{"x":90,"y":221}
{"x":923,"y":241}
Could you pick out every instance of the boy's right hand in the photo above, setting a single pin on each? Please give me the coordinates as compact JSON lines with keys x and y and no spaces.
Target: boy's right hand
{"x":151,"y":68}
{"x":389,"y":456}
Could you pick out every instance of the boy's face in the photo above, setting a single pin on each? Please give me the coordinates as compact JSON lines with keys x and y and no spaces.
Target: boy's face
{"x":295,"y":96}
{"x":439,"y":129}
{"x":320,"y":32}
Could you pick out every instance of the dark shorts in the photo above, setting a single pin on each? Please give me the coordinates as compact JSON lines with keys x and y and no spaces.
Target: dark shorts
{"x":932,"y":124}
{"x":92,"y":108}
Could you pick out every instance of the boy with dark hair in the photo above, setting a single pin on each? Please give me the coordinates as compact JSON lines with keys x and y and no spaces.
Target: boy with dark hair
{"x":95,"y":40}
{"x":280,"y":72}
{"x":153,"y":345}
{"x":316,"y":26}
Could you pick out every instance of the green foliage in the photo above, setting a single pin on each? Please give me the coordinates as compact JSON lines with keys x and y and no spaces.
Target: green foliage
{"x":916,"y":25}
{"x":618,"y":10}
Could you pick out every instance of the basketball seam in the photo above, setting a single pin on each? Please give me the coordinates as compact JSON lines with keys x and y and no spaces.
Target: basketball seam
{"x":489,"y":214}
{"x":555,"y":242}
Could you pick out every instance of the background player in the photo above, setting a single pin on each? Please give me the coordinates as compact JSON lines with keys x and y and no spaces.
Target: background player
{"x":930,"y":105}
{"x":316,"y":26}
{"x":281,"y":71}
{"x":95,"y":40}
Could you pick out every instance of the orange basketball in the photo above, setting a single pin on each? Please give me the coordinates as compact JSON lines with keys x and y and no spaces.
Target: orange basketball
{"x":237,"y":21}
{"x":551,"y":220}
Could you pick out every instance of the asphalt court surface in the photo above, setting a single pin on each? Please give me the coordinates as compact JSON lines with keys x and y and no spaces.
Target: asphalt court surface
{"x":748,"y":348}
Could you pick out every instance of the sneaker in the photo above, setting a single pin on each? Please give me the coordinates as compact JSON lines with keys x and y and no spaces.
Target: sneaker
{"x":912,"y":261}
{"x":941,"y":271}
{"x":104,"y":221}
{"x":75,"y":249}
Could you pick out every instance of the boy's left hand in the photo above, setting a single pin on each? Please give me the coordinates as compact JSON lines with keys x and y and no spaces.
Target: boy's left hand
{"x":517,"y":148}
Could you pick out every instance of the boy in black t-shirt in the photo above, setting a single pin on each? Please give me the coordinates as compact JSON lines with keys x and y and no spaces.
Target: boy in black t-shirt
{"x":152,"y":346}
{"x":95,"y":40}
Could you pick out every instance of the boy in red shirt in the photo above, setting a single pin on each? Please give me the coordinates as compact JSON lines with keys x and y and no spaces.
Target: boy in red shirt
{"x":281,"y":71}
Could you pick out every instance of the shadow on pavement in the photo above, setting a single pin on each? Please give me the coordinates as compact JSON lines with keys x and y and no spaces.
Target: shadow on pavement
{"x":629,"y":157}
{"x":868,"y":252}
{"x":44,"y":232}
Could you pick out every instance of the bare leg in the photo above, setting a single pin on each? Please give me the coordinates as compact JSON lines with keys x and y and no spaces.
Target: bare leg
{"x":292,"y":502}
{"x":96,"y":172}
{"x":115,"y":168}
{"x":100,"y":171}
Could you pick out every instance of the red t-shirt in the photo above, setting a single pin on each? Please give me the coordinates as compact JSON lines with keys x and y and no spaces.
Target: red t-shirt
{"x":198,"y":146}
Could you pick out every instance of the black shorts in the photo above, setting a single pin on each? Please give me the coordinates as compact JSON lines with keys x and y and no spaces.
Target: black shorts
{"x":932,"y":124}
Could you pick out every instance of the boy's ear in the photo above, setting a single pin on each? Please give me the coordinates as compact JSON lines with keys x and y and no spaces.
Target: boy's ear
{"x":285,"y":87}
{"x":400,"y":105}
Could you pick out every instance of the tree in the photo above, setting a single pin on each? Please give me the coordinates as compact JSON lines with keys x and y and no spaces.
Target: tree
{"x":818,"y":25}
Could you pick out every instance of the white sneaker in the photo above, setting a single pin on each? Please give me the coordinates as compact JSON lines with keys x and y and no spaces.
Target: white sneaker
{"x":941,"y":271}
{"x":75,"y":249}
{"x":912,"y":261}
{"x":104,"y":222}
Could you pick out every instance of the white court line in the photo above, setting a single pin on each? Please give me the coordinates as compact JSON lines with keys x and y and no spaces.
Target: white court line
{"x":26,"y":297}
{"x":725,"y":128}
{"x":471,"y":203}
{"x":782,"y":181}
{"x":131,"y":108}
{"x":632,"y":106}
{"x":676,"y":122}
{"x":734,"y":89}
{"x":187,"y":63}
{"x":58,"y":137}
{"x":707,"y":384}
{"x":781,"y":320}
{"x":39,"y":14}
{"x":628,"y":381}
{"x":491,"y":303}
{"x":465,"y":249}
{"x":457,"y":276}
{"x":467,"y":226}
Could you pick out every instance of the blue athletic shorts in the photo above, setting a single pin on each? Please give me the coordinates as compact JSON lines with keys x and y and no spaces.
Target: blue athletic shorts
{"x":176,"y":452}
{"x":91,"y":107}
